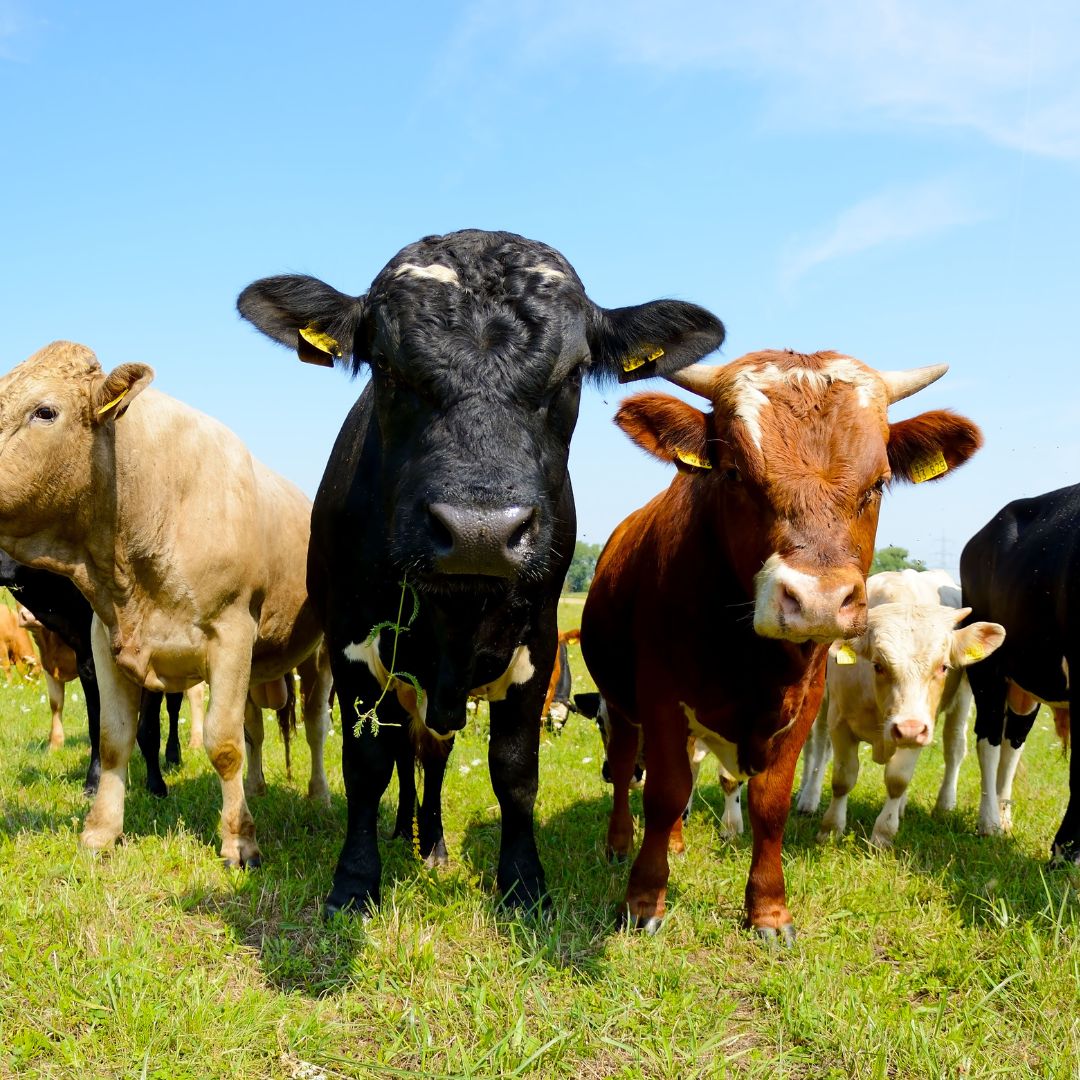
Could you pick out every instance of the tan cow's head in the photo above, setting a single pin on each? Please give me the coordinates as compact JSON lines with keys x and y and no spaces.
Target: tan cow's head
{"x":53,"y":407}
{"x":911,"y":648}
{"x":790,"y":466}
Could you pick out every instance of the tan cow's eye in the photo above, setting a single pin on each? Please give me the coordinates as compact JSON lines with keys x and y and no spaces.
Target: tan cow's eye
{"x":46,"y":413}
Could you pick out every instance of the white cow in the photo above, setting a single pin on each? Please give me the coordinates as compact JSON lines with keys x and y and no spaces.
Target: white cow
{"x":887,"y":688}
{"x":192,"y":554}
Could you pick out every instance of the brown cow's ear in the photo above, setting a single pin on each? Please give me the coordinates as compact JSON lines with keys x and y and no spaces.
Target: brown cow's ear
{"x":668,"y":429}
{"x":112,"y":396}
{"x":929,"y":445}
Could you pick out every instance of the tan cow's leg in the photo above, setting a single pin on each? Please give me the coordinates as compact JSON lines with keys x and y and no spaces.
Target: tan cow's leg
{"x":223,"y":733}
{"x":119,"y":723}
{"x":898,"y":773}
{"x":845,"y":772}
{"x":254,"y":735}
{"x":816,"y":754}
{"x":955,"y":745}
{"x":196,"y":699}
{"x":731,"y":824}
{"x":55,"y":689}
{"x":315,"y":682}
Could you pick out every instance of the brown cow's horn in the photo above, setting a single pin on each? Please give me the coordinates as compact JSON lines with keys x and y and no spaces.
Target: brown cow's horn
{"x":697,"y":378}
{"x":902,"y":384}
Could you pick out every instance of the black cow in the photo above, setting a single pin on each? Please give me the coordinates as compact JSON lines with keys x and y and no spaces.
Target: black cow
{"x":59,"y":606}
{"x":1023,"y":571}
{"x":450,"y":475}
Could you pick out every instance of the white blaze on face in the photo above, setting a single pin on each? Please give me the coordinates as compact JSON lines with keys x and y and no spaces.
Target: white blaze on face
{"x":727,"y":753}
{"x":549,"y":273}
{"x":433,"y":272}
{"x":752,"y":386}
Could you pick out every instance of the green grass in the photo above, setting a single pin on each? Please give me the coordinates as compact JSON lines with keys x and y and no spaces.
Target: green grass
{"x":951,"y":956}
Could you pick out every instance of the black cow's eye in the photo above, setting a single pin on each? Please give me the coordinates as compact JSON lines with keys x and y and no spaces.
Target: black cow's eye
{"x":46,"y":413}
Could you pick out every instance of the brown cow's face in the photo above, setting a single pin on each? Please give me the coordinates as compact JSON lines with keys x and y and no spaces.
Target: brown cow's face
{"x":790,"y":467}
{"x":51,"y":406}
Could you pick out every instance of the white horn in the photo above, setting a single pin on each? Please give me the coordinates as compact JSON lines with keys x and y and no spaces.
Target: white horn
{"x":697,"y":378}
{"x":902,"y":384}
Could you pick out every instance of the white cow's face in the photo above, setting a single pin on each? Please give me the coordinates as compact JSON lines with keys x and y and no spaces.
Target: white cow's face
{"x":52,"y":407}
{"x":911,"y":649}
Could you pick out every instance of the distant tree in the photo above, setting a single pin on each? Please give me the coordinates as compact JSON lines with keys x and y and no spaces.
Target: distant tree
{"x":582,"y":567}
{"x":894,"y":558}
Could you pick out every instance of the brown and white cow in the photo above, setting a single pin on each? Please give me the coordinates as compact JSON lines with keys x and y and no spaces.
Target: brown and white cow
{"x":59,"y":666}
{"x":713,"y":606}
{"x":191,"y":553}
{"x":16,"y":649}
{"x":887,"y":687}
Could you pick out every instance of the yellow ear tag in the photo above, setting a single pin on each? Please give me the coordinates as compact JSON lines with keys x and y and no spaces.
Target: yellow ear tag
{"x":323,"y":342}
{"x":632,"y":363}
{"x":928,"y":467}
{"x":845,"y":654}
{"x":115,"y":401}
{"x":688,"y":457}
{"x":974,"y":653}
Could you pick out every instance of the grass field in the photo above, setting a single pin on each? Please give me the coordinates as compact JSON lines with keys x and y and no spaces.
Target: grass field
{"x":951,"y":956}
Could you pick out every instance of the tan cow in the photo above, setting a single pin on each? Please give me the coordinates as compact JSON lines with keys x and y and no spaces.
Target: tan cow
{"x":192,"y":554}
{"x":887,"y":687}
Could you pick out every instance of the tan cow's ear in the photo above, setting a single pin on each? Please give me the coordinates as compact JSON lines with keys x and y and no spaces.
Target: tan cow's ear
{"x":119,"y":389}
{"x":973,"y":643}
{"x":668,"y":429}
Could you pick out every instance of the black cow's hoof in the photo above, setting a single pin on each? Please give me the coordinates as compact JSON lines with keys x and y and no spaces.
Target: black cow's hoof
{"x":1064,"y":855}
{"x":172,"y":758}
{"x":616,"y":857}
{"x":527,"y":898}
{"x":351,"y":902}
{"x":785,"y":936}
{"x":437,"y":858}
{"x":158,"y":788}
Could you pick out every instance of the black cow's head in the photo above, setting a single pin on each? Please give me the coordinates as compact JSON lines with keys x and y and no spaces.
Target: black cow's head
{"x":477,"y":343}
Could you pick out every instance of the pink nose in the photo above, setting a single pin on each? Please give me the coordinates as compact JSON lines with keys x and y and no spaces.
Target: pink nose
{"x":910,"y":732}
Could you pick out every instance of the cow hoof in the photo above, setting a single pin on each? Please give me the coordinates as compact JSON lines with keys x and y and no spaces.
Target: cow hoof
{"x":616,"y":857}
{"x":157,"y":787}
{"x":255,"y":791}
{"x":97,"y":839}
{"x":881,"y":841}
{"x":351,"y":902}
{"x":827,"y":835}
{"x":249,"y":862}
{"x":437,"y":858}
{"x":525,"y":899}
{"x":90,"y":789}
{"x":650,"y":925}
{"x":1063,"y":856}
{"x":172,"y":758}
{"x":319,"y":794}
{"x":774,"y":938}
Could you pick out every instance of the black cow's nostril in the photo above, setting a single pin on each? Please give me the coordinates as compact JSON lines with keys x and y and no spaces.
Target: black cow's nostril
{"x":441,"y":535}
{"x":525,"y":531}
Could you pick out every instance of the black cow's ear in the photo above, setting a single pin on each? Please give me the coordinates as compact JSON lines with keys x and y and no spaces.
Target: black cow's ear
{"x":304,"y":313}
{"x":657,"y":338}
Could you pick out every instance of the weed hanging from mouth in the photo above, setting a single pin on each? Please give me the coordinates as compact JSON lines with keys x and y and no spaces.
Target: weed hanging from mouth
{"x":370,"y":716}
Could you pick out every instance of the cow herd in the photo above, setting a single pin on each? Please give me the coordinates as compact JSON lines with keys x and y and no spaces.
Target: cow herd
{"x":719,"y":611}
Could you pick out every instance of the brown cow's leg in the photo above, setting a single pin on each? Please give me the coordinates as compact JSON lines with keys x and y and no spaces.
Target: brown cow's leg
{"x":622,"y":751}
{"x":55,"y":689}
{"x":668,"y":785}
{"x":770,"y":802}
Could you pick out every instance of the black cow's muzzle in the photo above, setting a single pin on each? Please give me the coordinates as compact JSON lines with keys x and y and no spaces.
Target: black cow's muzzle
{"x":489,"y":543}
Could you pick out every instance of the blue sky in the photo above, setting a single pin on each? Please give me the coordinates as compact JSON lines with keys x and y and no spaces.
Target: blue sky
{"x":895,"y":180}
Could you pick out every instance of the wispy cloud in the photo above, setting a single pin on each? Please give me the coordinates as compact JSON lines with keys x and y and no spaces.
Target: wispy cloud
{"x":894,"y":216}
{"x":1010,"y":72}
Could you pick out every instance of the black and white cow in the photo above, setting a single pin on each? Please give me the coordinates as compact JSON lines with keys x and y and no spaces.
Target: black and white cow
{"x":1023,"y":571}
{"x":450,"y":474}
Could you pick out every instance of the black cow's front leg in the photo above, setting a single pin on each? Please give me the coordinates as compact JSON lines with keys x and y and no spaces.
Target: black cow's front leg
{"x":88,"y":680}
{"x":367,"y":763}
{"x":513,"y":758}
